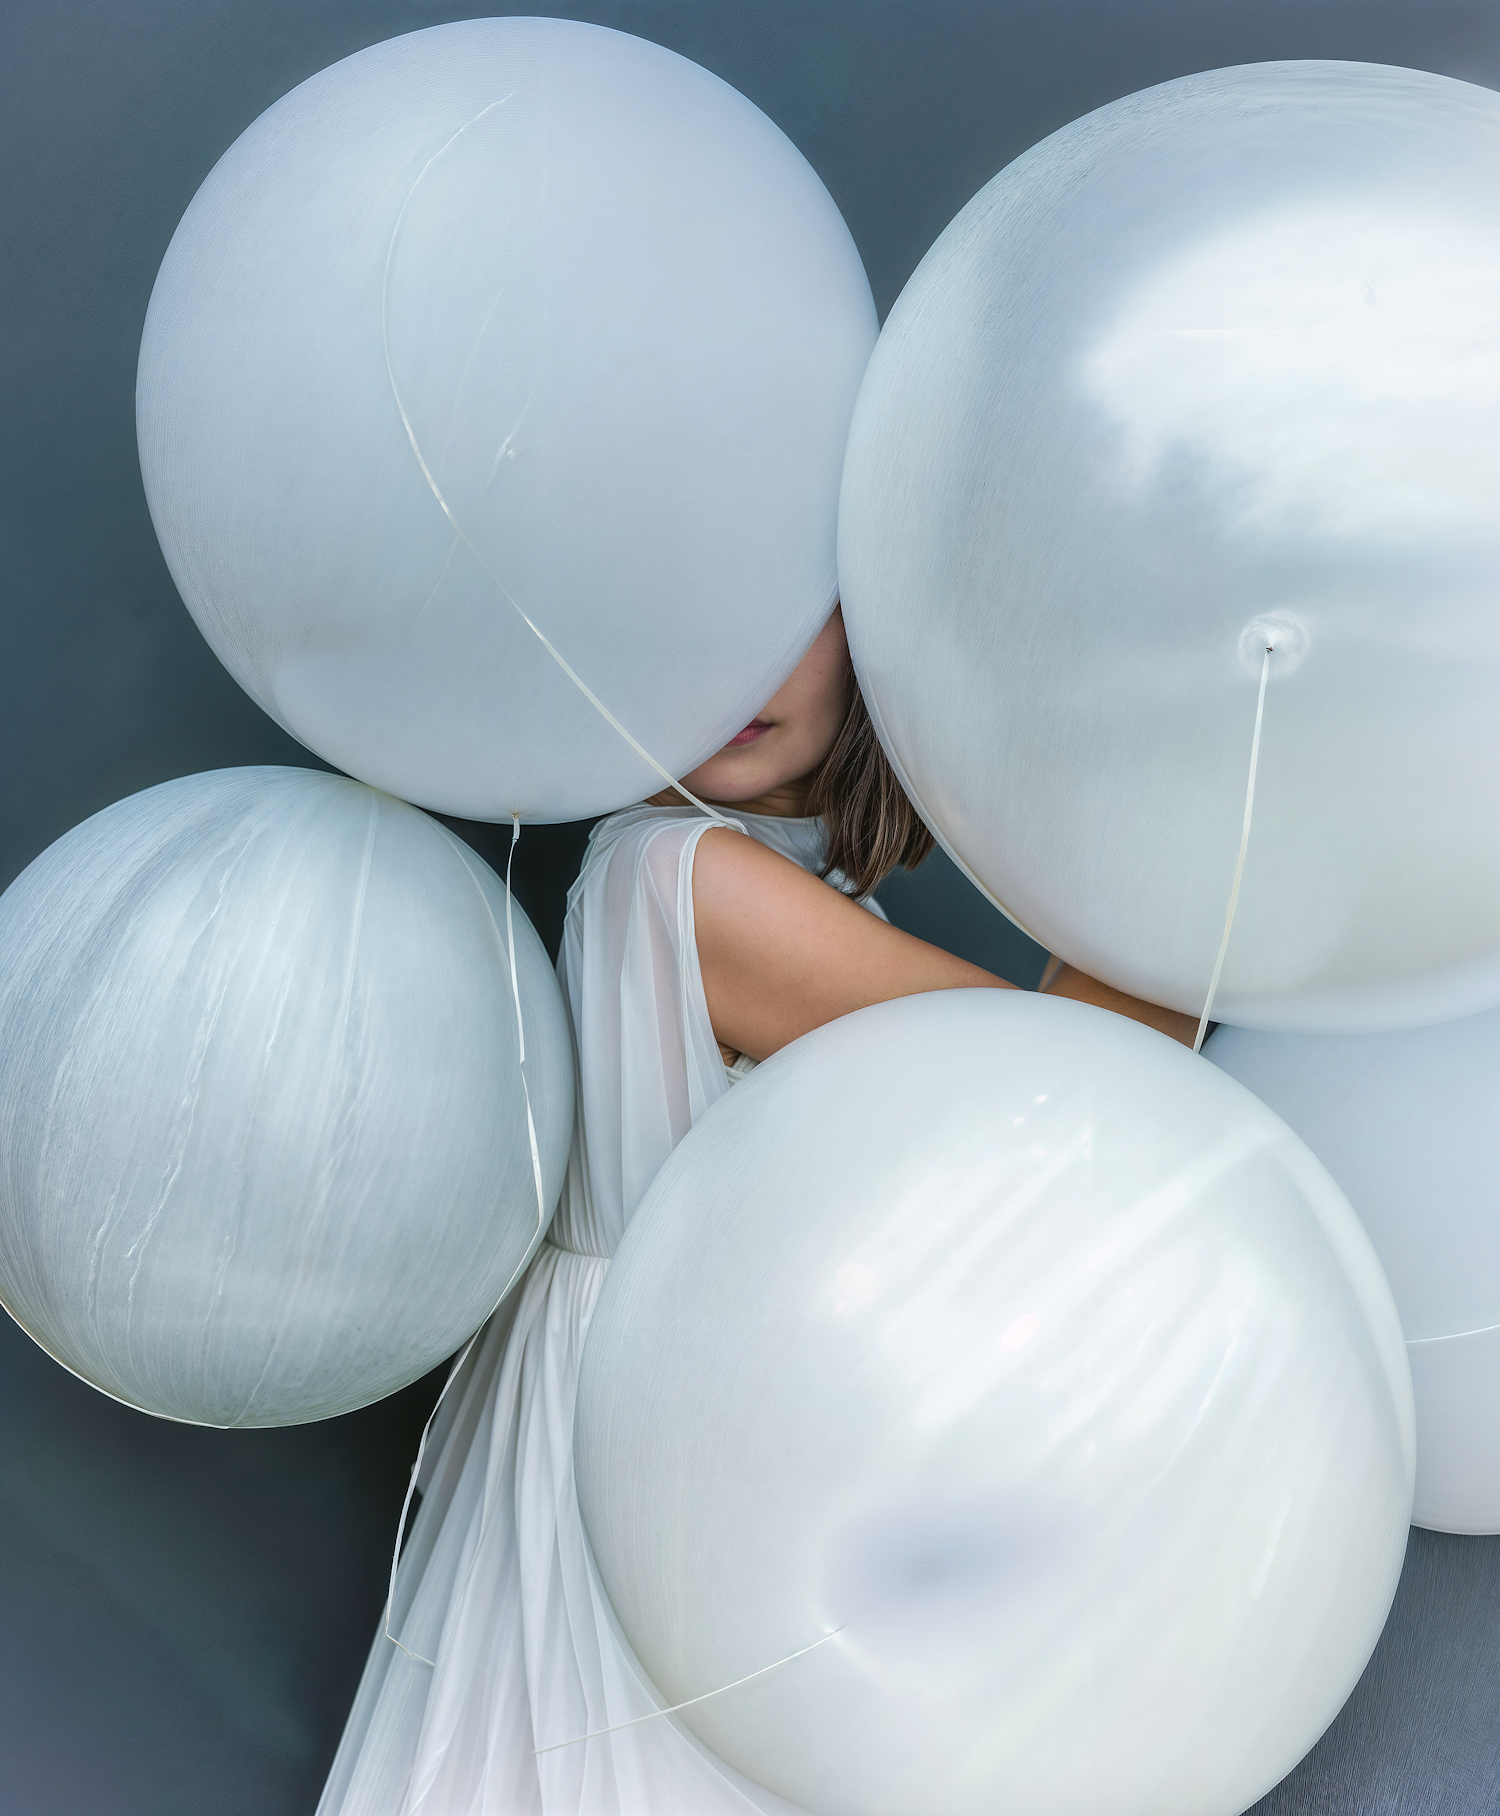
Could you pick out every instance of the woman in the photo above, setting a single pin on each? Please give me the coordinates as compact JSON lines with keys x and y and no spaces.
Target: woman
{"x":691,"y":951}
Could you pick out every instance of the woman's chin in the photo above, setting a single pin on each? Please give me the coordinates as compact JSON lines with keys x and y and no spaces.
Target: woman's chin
{"x":729,"y":781}
{"x":726,"y":794}
{"x":748,"y":776}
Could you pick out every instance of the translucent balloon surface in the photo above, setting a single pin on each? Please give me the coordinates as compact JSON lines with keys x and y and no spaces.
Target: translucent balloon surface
{"x":1214,"y":368}
{"x":1409,"y":1126}
{"x":263,"y":1141}
{"x":1044,"y":1369}
{"x":508,"y":316}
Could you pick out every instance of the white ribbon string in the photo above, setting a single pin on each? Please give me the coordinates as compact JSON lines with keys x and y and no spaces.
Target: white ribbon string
{"x":515,"y":990}
{"x":390,"y":1594}
{"x":458,"y":529}
{"x":1239,"y":868}
{"x":655,"y":1714}
{"x":541,"y":1224}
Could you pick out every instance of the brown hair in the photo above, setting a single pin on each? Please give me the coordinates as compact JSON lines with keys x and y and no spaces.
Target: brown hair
{"x":872,"y":827}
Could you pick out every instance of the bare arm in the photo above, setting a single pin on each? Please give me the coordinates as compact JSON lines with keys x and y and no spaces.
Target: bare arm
{"x":781,"y":953}
{"x":1065,"y":981}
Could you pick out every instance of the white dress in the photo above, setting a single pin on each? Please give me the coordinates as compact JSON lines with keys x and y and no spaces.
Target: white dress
{"x":496,"y":1584}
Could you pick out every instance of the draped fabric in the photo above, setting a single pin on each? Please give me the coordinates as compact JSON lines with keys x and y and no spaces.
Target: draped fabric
{"x":496,"y":1585}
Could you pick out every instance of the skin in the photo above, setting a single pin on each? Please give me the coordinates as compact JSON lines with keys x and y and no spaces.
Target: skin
{"x":781,"y":952}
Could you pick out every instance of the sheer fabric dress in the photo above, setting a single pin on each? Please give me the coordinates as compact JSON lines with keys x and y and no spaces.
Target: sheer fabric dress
{"x":496,"y":1585}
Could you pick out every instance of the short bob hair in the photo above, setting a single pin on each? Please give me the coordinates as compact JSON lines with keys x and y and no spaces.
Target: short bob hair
{"x":872,"y":827}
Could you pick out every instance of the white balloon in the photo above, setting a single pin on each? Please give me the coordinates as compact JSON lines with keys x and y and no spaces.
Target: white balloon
{"x":1013,"y":1346}
{"x":1409,"y":1126}
{"x":1214,"y":367}
{"x":263,"y":1136}
{"x":512,"y":315}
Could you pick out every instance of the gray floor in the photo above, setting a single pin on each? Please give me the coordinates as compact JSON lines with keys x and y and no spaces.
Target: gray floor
{"x":186,"y":1613}
{"x":1420,"y":1736}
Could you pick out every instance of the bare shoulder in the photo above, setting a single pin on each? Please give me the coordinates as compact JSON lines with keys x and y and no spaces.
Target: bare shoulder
{"x":730,"y":867}
{"x":752,"y":906}
{"x":782,"y":952}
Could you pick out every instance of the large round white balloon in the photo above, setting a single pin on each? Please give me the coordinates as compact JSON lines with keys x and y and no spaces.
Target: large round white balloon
{"x":1409,"y":1126}
{"x":1215,"y":367}
{"x":1042,"y":1367}
{"x":508,"y":316}
{"x":263,"y":1137}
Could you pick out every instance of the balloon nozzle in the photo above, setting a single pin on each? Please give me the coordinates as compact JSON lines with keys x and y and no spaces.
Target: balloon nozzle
{"x":1280,"y":635}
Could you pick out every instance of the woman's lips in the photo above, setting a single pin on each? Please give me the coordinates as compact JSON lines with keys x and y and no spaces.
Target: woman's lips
{"x":757,"y":728}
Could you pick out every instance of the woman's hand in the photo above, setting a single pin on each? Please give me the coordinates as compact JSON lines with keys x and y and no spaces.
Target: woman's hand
{"x":781,"y":953}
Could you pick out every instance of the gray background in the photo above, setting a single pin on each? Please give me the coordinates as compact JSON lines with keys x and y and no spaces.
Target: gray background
{"x":185,"y":1612}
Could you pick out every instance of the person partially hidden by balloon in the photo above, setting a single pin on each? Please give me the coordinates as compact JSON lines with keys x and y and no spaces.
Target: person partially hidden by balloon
{"x":691,"y":951}
{"x":495,"y":407}
{"x":779,"y":956}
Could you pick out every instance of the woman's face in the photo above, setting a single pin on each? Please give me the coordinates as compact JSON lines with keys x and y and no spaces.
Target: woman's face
{"x":792,"y":734}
